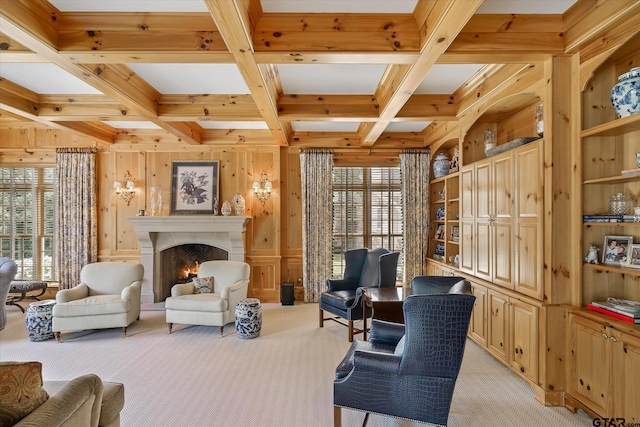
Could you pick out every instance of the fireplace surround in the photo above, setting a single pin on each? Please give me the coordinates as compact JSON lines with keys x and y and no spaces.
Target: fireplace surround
{"x":158,"y":233}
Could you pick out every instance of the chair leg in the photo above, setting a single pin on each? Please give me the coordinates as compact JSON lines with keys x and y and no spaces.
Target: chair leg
{"x":170,"y":325}
{"x":337,"y":418}
{"x":221,"y":330}
{"x":321,"y":319}
{"x":57,"y":335}
{"x":124,"y":331}
{"x":350,"y":330}
{"x":366,"y":418}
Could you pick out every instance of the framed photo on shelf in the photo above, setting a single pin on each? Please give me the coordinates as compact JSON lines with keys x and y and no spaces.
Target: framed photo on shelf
{"x":455,"y":233}
{"x":194,"y":187}
{"x":633,"y":259}
{"x":439,"y":232}
{"x":616,"y":249}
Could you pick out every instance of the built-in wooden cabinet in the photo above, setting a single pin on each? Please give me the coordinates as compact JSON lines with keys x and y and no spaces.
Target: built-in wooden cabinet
{"x":605,"y":368}
{"x":502,"y":219}
{"x":508,"y":328}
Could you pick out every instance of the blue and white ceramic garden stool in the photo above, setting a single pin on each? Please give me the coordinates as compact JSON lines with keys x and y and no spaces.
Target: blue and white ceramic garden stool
{"x":40,"y":319}
{"x":248,"y":318}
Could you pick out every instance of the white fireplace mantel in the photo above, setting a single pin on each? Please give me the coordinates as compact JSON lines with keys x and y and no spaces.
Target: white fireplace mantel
{"x":157,"y":233}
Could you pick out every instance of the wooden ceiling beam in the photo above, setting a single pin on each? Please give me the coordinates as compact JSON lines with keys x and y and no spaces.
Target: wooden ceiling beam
{"x":233,"y":20}
{"x":23,"y":102}
{"x":588,"y":20}
{"x":19,"y":20}
{"x":439,"y":22}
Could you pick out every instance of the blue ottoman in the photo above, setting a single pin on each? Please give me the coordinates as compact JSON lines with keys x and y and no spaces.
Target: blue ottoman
{"x":248,"y":318}
{"x":40,"y":319}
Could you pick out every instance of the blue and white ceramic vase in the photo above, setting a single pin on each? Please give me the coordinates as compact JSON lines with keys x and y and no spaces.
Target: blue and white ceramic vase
{"x":441,"y":165}
{"x":625,"y":95}
{"x":39,"y":320}
{"x":248,"y":318}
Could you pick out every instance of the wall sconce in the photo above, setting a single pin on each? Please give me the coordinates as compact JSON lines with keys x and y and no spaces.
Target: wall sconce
{"x":262,"y":188}
{"x":128,"y":191}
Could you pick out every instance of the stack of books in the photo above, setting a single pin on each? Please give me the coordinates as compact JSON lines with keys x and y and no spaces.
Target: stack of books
{"x":607,"y":218}
{"x":628,"y":172}
{"x":621,"y":309}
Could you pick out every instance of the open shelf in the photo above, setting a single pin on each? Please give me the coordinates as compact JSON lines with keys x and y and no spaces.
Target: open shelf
{"x":614,"y":128}
{"x":614,"y":269}
{"x":613,"y":179}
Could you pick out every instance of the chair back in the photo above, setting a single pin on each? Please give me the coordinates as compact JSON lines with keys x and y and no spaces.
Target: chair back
{"x":8,"y":270}
{"x":224,"y":273}
{"x":379,"y":269}
{"x":435,"y":334}
{"x":427,"y":285}
{"x":110,"y":278}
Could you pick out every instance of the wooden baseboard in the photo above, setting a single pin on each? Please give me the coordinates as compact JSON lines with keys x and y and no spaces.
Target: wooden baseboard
{"x":573,"y":404}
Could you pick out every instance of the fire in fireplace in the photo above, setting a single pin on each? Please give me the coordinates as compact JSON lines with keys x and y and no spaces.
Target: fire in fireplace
{"x":180,"y":264}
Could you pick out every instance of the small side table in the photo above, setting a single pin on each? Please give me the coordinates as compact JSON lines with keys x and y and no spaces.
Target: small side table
{"x":248,"y":318}
{"x":40,"y":319}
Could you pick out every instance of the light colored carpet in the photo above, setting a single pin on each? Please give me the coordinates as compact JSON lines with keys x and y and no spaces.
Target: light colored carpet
{"x":283,"y":378}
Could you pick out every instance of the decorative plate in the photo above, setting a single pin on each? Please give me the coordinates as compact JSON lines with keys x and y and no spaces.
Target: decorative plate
{"x":440,"y":213}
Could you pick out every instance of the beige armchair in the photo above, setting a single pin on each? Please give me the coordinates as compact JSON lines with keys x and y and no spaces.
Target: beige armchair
{"x":217,"y":308}
{"x":107,"y":297}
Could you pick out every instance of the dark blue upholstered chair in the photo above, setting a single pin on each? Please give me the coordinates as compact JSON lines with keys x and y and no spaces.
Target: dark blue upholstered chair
{"x":421,"y":285}
{"x":407,"y":371}
{"x":363,"y":268}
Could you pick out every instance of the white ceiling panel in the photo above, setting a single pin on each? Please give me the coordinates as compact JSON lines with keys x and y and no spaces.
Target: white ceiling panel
{"x":46,"y":79}
{"x":193,"y":78}
{"x":447,"y":78}
{"x":407,"y":126}
{"x":130,"y":5}
{"x":525,"y":6}
{"x":206,"y":124}
{"x":325,"y":126}
{"x":132,"y":125}
{"x":338,"y":6}
{"x":330,"y":79}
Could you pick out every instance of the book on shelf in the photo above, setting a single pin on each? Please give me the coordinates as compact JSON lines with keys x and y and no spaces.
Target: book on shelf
{"x":623,"y":317}
{"x":604,"y":218}
{"x":626,"y":172}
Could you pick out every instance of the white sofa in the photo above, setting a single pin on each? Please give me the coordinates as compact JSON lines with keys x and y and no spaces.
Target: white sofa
{"x":107,"y":297}
{"x":230,"y":284}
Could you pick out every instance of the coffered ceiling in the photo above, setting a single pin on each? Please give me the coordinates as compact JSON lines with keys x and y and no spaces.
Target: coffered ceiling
{"x":289,"y":72}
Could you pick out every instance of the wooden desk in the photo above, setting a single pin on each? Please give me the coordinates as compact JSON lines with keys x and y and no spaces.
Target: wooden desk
{"x":386,"y":304}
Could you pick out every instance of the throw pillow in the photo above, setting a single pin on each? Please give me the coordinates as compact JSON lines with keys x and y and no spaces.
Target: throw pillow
{"x":204,"y":285}
{"x":21,"y":392}
{"x":399,"y":347}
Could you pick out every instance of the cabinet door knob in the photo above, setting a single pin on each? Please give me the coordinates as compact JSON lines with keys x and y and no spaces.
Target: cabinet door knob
{"x":614,"y":339}
{"x":605,"y":336}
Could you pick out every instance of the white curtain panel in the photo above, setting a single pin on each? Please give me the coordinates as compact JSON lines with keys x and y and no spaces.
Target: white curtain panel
{"x":317,"y":220}
{"x":414,"y":169}
{"x":77,"y":212}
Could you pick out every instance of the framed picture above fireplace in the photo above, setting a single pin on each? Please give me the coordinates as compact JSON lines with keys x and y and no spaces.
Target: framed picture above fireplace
{"x":194,"y":187}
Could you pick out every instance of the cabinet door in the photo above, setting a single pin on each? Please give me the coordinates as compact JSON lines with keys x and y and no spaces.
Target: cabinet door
{"x":502,"y":220}
{"x":433,"y":269}
{"x":466,"y":194}
{"x":479,"y":315}
{"x":591,"y":364}
{"x":482,"y":196}
{"x":524,"y":338}
{"x":482,"y":254}
{"x":498,"y":326}
{"x":529,"y":221}
{"x":626,"y":378}
{"x":467,"y":243}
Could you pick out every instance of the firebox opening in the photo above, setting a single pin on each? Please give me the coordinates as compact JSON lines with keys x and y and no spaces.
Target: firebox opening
{"x":180,"y":264}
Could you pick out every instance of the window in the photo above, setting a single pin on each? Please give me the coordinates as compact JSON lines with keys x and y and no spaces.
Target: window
{"x":28,"y":223}
{"x":367,"y":212}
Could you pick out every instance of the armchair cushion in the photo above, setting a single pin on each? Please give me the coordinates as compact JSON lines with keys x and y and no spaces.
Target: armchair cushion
{"x":197,"y":302}
{"x":95,"y":305}
{"x":21,"y":391}
{"x":8,"y":270}
{"x":203,"y":285}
